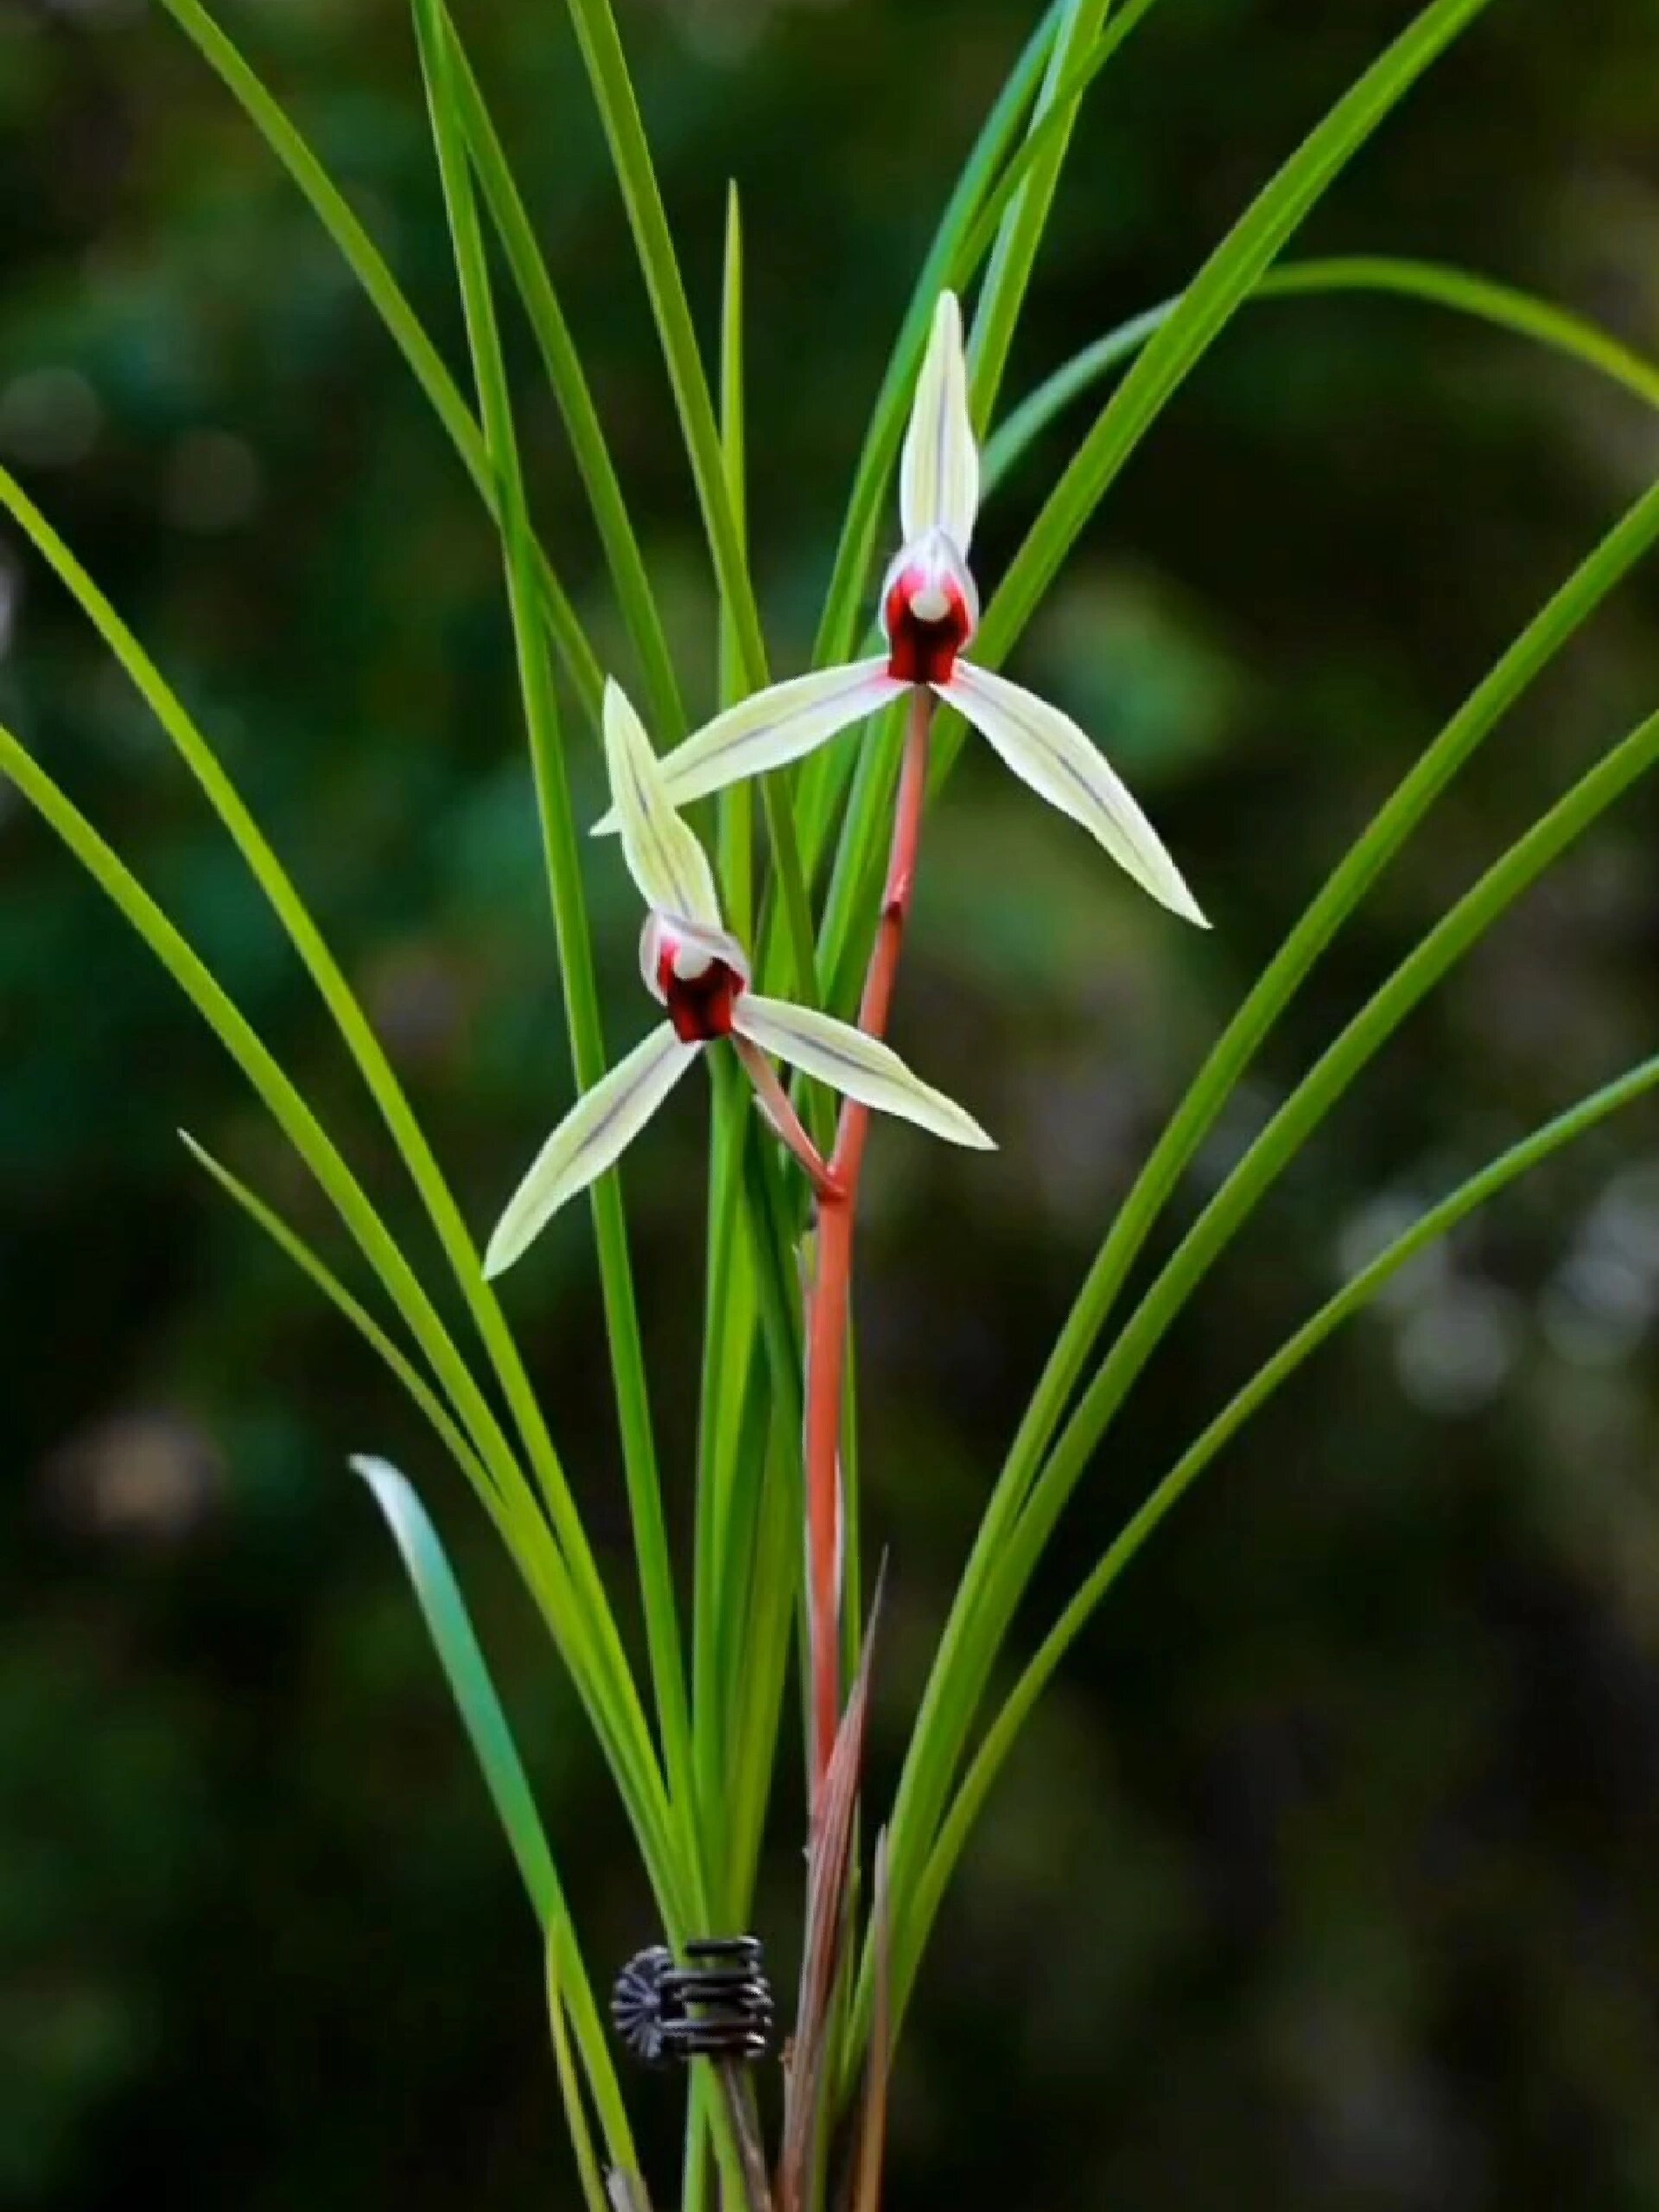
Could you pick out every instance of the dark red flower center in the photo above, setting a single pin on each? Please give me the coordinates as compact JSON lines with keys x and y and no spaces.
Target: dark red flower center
{"x":699,"y":1005}
{"x":928,"y":622}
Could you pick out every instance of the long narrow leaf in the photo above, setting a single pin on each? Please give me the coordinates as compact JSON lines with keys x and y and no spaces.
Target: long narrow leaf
{"x":562,"y":851}
{"x":636,"y":174}
{"x":1505,"y":306}
{"x":576,"y":400}
{"x":1036,"y":148}
{"x":991,"y":1591}
{"x":1020,"y":230}
{"x":369,"y":266}
{"x":1225,"y":280}
{"x":444,"y":1611}
{"x":310,"y":1264}
{"x":1351,"y":1299}
{"x":576,"y":2109}
{"x":377,"y":1074}
{"x":613,"y":94}
{"x":879,"y":454}
{"x":1209,"y":303}
{"x":464,"y":1668}
{"x":604,"y":1684}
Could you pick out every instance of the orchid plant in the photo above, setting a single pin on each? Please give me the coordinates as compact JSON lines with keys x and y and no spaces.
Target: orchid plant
{"x":692,"y":1740}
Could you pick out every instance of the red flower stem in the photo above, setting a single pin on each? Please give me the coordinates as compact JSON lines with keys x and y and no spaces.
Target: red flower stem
{"x":784,"y":1118}
{"x":832,"y":1291}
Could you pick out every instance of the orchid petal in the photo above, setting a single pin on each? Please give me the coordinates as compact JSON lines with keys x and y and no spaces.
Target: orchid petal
{"x":1049,"y":752}
{"x":771,"y":728}
{"x":938,"y":476}
{"x":663,"y":857}
{"x":592,"y":1137}
{"x":859,"y":1066}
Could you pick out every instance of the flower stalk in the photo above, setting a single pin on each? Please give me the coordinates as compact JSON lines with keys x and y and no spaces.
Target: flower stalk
{"x":838,"y":1216}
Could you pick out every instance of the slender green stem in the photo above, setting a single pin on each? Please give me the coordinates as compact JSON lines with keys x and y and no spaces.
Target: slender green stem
{"x":733,"y":1373}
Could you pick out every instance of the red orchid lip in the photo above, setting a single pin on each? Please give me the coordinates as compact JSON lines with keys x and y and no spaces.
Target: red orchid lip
{"x":697,"y":973}
{"x":928,"y":611}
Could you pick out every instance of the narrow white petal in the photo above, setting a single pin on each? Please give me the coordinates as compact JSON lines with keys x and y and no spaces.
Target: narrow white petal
{"x":663,"y":856}
{"x":769,"y":729}
{"x":938,"y":477}
{"x":591,"y":1138}
{"x":1049,"y":752}
{"x":854,"y":1064}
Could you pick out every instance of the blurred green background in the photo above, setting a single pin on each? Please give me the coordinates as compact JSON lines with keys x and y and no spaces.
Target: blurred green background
{"x":1326,"y":1874}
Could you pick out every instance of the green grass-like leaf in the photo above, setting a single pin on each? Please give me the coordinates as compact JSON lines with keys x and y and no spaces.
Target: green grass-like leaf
{"x":587,"y":1643}
{"x":1209,"y":303}
{"x":369,"y":266}
{"x":386,"y":1348}
{"x":1016,"y":1530}
{"x":873,"y":477}
{"x":1223,"y":284}
{"x":1505,"y":306}
{"x":444,"y":1611}
{"x":636,"y":174}
{"x":1355,"y":1294}
{"x":562,"y":857}
{"x":1025,"y":219}
{"x":568,"y":382}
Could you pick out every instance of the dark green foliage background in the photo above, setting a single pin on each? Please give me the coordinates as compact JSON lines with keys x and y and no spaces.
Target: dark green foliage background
{"x":1325,"y":1877}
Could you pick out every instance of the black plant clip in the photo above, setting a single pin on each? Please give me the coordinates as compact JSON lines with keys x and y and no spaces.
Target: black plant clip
{"x":718,"y":2004}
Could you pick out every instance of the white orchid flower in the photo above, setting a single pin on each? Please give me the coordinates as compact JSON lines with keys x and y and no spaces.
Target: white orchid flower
{"x":930,"y":611}
{"x":695,"y":968}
